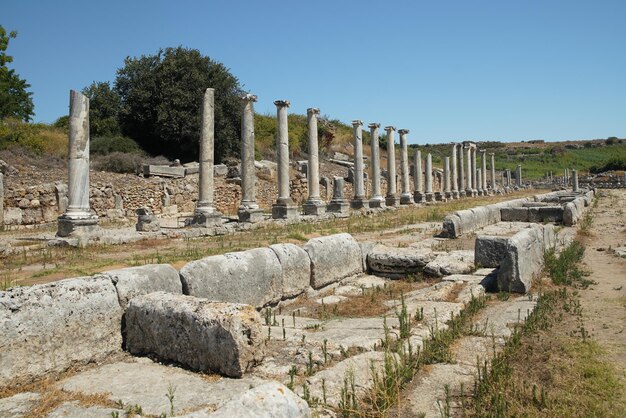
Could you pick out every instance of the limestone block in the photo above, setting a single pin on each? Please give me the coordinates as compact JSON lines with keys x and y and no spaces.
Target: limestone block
{"x":398,"y":261}
{"x":136,"y":281}
{"x":333,"y":258}
{"x":523,"y":261}
{"x":489,"y":251}
{"x":220,"y":170}
{"x":198,"y":333}
{"x":366,"y":247}
{"x":252,"y":277}
{"x":12,"y":216}
{"x":451,"y":226}
{"x":545,"y":214}
{"x":163,"y":171}
{"x":296,"y":269}
{"x":454,"y":262}
{"x":269,"y":400}
{"x":49,"y":328}
{"x":514,"y":214}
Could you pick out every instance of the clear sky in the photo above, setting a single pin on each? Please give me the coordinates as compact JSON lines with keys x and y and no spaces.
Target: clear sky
{"x":447,"y":70}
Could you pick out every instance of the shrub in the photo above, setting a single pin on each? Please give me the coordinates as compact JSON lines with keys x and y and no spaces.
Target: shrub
{"x":119,"y":162}
{"x":106,"y":144}
{"x":36,"y":137}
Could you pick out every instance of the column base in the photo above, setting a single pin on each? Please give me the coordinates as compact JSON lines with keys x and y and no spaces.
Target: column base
{"x":440,"y":197}
{"x":377,"y":203}
{"x":418,"y":197}
{"x":280,"y":211}
{"x":429,"y":197}
{"x":359,"y":203}
{"x":406,"y":199}
{"x":392,"y":201}
{"x":314,"y":207}
{"x":203,"y":219}
{"x":449,"y":195}
{"x":462,"y":194}
{"x":68,"y":226}
{"x":250,"y":215}
{"x":342,"y":207}
{"x":456,"y":194}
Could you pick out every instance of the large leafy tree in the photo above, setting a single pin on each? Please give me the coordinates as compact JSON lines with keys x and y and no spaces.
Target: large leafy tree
{"x":104,"y":106}
{"x":15,"y":101}
{"x":161,"y":101}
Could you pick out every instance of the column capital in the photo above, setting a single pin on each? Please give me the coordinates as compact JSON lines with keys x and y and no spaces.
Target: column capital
{"x":492,"y":154}
{"x":374,"y":125}
{"x":357,"y":122}
{"x":282,"y":103}
{"x":390,"y":128}
{"x":403,"y":131}
{"x":249,"y":97}
{"x":313,"y":111}
{"x":483,"y":151}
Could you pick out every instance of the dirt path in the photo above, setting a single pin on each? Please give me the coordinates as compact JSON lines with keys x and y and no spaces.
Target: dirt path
{"x":604,"y":304}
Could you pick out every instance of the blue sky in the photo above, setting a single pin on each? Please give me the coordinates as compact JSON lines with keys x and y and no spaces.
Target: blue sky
{"x":446,"y":70}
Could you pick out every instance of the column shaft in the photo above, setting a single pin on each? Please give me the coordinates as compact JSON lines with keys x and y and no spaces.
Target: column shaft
{"x":376,"y":193}
{"x":248,"y":174}
{"x":405,"y":196}
{"x":207,"y":138}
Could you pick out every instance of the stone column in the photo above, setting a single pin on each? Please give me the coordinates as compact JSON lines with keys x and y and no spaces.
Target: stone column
{"x":418,"y":193}
{"x":565,"y":177}
{"x":493,"y":171}
{"x":359,"y":201}
{"x":428,"y":172}
{"x":462,"y":183}
{"x":249,"y":210}
{"x":518,"y":175}
{"x":284,"y":208}
{"x":454,"y":174}
{"x":483,"y":160}
{"x":338,"y":203}
{"x":405,"y":195}
{"x":78,"y":218}
{"x":392,"y":193}
{"x":508,"y":178}
{"x":468,"y":178}
{"x":314,"y":204}
{"x":575,"y":188}
{"x":474,"y":168}
{"x":377,"y":200}
{"x":447,"y":189}
{"x":479,"y":180}
{"x":1,"y":202}
{"x":206,"y":214}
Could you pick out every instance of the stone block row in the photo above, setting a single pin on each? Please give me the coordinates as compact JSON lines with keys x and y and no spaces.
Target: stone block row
{"x":51,"y":327}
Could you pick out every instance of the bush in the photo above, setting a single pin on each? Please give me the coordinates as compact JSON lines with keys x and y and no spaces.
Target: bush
{"x":106,"y":145}
{"x":616,"y":163}
{"x":36,"y":137}
{"x":119,"y":162}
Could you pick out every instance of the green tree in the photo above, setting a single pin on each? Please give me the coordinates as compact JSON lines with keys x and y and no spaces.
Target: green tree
{"x":104,"y":106}
{"x":161,"y":100}
{"x":15,"y":101}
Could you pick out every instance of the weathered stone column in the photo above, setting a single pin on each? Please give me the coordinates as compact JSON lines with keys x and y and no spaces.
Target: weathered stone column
{"x":377,"y":200}
{"x":493,"y":171}
{"x":314,"y":205}
{"x":468,"y":177}
{"x":518,"y":175}
{"x":405,"y":195}
{"x":249,"y":210}
{"x":479,"y":179}
{"x":392,"y":191}
{"x":428,"y":172}
{"x":206,"y":214}
{"x":359,"y":201}
{"x":1,"y":202}
{"x":418,"y":192}
{"x":508,"y":178}
{"x":78,"y":218}
{"x":483,"y":160}
{"x":454,"y":174}
{"x":474,"y":168}
{"x":575,"y":188}
{"x":284,"y":208}
{"x":447,"y":189}
{"x":338,"y":203}
{"x":566,"y":177}
{"x":462,"y":183}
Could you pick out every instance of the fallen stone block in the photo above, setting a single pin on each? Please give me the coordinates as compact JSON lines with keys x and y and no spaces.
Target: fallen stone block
{"x":252,"y":277}
{"x":454,"y":262}
{"x":270,"y":400}
{"x":395,"y":262}
{"x":333,"y":258}
{"x":513,"y":214}
{"x":198,"y":333}
{"x":489,"y":251}
{"x":136,"y":281}
{"x":523,"y":261}
{"x":52,"y":327}
{"x":163,"y":171}
{"x":296,"y":269}
{"x":546,"y":214}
